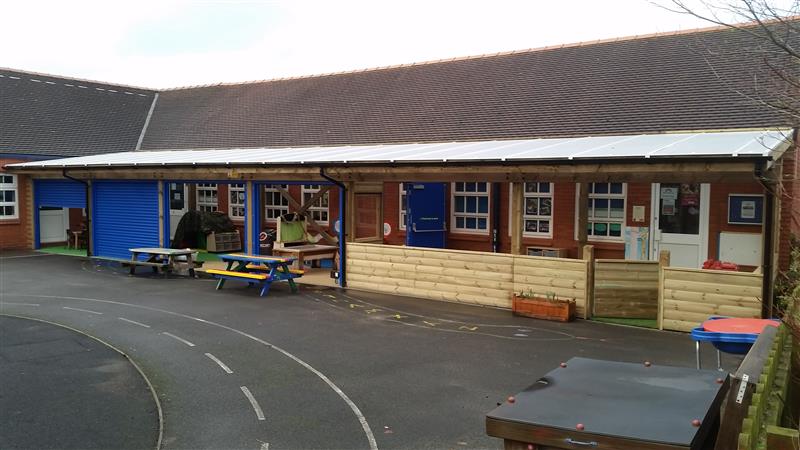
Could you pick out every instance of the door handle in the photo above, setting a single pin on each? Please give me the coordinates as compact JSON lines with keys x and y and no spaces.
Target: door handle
{"x":581,"y":443}
{"x":414,"y":227}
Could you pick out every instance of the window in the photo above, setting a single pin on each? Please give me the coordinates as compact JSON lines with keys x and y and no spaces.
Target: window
{"x":318,"y":212}
{"x":8,"y":196}
{"x":236,"y":203}
{"x":470,"y":207}
{"x":403,"y":206}
{"x":538,"y":212}
{"x":275,"y":205}
{"x":207,"y":197}
{"x":606,"y":211}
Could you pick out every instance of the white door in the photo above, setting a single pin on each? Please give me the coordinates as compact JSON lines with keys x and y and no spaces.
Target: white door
{"x":53,"y":224}
{"x":177,"y":206}
{"x":680,"y":222}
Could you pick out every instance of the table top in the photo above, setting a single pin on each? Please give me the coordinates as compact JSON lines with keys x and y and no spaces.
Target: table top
{"x":738,"y":325}
{"x":254,"y":258}
{"x":163,"y":251}
{"x":628,"y":401}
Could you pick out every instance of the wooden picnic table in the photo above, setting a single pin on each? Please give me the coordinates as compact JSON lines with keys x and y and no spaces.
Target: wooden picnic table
{"x":165,"y":259}
{"x":255,"y":269}
{"x":307,"y":251}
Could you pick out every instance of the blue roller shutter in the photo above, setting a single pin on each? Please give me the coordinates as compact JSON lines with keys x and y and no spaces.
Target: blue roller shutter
{"x":125,"y":215}
{"x":59,"y":193}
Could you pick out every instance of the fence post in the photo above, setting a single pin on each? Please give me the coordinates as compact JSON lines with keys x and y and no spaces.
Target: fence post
{"x":588,"y":255}
{"x":663,"y":261}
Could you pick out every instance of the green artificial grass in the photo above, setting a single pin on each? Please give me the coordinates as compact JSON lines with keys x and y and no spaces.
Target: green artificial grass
{"x":63,"y":250}
{"x":643,"y":323}
{"x":204,"y":256}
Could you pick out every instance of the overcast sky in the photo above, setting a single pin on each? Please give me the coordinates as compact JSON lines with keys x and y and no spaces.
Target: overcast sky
{"x":162,"y":44}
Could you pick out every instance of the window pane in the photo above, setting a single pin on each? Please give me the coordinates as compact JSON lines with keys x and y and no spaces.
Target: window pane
{"x":617,"y":208}
{"x":616,"y":188}
{"x":8,"y":196}
{"x":601,"y":207}
{"x":471,"y":223}
{"x":544,"y":187}
{"x":531,"y":226}
{"x":482,"y":224}
{"x":460,"y":187}
{"x":9,"y":210}
{"x":544,"y":226}
{"x":483,"y":205}
{"x":531,"y":187}
{"x":532,"y":206}
{"x":482,"y":187}
{"x":459,"y":222}
{"x":470,"y":187}
{"x":600,"y":229}
{"x":601,"y":188}
{"x":546,"y":207}
{"x":615,"y":229}
{"x":459,"y":204}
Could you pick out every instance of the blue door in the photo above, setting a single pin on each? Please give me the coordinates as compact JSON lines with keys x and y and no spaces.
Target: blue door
{"x":125,"y":215}
{"x":426,"y":215}
{"x":59,"y":193}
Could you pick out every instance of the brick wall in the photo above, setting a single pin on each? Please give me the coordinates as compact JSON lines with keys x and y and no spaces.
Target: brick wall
{"x":790,"y":206}
{"x":18,"y":233}
{"x":563,"y":235}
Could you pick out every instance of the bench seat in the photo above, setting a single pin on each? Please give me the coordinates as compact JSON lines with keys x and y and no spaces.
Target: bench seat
{"x":280,"y":269}
{"x":242,"y":275}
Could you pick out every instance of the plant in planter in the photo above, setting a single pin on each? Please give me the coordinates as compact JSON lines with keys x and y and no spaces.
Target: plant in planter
{"x":548,"y":307}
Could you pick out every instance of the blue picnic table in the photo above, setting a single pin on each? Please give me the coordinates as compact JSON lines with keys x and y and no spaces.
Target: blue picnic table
{"x":256,"y":270}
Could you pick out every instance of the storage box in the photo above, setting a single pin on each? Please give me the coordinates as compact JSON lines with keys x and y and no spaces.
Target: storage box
{"x":548,"y":251}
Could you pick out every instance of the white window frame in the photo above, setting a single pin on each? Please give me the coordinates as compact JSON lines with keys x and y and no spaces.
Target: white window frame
{"x":453,"y":214}
{"x":233,"y":207}
{"x":551,"y":195}
{"x":403,"y":211}
{"x":591,"y":219}
{"x":13,"y":186}
{"x":311,"y":190}
{"x":204,"y":204}
{"x":271,"y":193}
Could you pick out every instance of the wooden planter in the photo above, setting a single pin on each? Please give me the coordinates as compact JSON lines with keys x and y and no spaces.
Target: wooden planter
{"x":542,"y":308}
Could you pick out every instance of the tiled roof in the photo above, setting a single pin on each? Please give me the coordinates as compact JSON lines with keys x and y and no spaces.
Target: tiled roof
{"x":56,"y":116}
{"x":679,"y":81}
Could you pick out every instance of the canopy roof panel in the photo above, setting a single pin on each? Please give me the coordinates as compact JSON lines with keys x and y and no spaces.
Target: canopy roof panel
{"x":767,"y":144}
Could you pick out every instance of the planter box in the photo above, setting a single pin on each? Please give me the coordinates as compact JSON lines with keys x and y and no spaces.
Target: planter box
{"x":542,"y":308}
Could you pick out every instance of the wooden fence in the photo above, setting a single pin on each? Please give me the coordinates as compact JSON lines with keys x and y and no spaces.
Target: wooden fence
{"x":464,"y":276}
{"x":625,"y":288}
{"x":688,"y":297}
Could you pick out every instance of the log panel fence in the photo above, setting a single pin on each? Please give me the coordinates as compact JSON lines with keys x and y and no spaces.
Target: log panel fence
{"x":464,"y":276}
{"x":627,"y":289}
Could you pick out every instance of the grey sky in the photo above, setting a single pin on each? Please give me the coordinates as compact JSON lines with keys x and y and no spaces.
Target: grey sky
{"x":164,"y":44}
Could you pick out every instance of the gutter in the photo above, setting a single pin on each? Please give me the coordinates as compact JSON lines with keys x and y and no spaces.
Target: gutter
{"x":342,"y":226}
{"x":88,"y":211}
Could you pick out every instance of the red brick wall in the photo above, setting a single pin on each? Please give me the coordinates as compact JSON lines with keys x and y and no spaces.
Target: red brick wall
{"x":18,"y":233}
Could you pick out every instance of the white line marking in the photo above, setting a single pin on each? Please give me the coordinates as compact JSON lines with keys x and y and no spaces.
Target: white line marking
{"x":220,"y":363}
{"x":18,"y":304}
{"x":259,"y":412}
{"x":178,"y":338}
{"x":264,"y":445}
{"x":133,"y":322}
{"x":373,"y":445}
{"x":83,"y":310}
{"x":38,"y":255}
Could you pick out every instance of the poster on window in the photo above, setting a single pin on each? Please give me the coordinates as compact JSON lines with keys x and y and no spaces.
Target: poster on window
{"x":745,"y":209}
{"x":667,"y":207}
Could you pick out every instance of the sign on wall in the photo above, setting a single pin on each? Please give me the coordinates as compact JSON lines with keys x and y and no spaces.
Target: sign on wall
{"x":745,"y":209}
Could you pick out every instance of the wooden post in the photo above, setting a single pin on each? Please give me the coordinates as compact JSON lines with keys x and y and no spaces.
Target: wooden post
{"x":663,"y":261}
{"x":517,"y":207}
{"x":588,"y":255}
{"x":350,"y":212}
{"x":583,"y":213}
{"x":249,"y":220}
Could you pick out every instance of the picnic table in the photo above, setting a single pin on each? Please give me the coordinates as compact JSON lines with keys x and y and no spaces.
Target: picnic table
{"x":307,"y":252}
{"x":166,"y":259}
{"x":255,"y":269}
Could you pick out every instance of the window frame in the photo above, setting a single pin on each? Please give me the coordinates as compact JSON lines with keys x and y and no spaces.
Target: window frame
{"x":403,"y":213}
{"x":552,"y":196}
{"x":306,"y":188}
{"x":591,"y":219}
{"x":12,"y":187}
{"x":270,"y":192}
{"x":199,"y":200}
{"x":236,"y":187}
{"x":477,"y":215}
